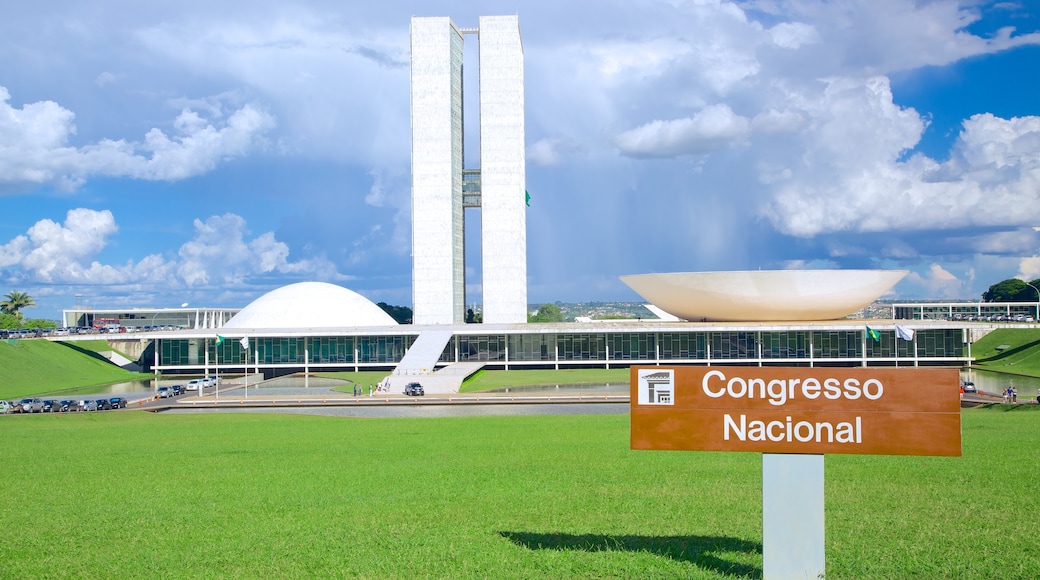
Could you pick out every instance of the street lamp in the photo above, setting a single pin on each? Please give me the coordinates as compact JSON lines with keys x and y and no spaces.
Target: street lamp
{"x":1037,"y":300}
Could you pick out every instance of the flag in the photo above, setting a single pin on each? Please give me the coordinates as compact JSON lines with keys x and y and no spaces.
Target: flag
{"x":873,"y":334}
{"x":904,"y":332}
{"x":220,"y":339}
{"x":244,"y":342}
{"x":527,"y":198}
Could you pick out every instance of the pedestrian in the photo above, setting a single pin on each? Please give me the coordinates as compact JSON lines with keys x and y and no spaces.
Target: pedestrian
{"x":1038,"y":396}
{"x":1014,"y":394}
{"x":1007,"y":394}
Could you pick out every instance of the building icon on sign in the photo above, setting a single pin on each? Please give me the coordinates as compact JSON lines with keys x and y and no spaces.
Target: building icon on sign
{"x":656,"y":387}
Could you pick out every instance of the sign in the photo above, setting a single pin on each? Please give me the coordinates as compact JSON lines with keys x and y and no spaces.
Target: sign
{"x":883,"y":411}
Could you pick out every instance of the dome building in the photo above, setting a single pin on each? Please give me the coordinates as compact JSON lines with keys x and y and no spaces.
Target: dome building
{"x":309,"y":305}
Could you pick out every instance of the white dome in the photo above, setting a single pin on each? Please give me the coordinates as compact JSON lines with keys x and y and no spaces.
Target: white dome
{"x":310,"y":305}
{"x":765,"y":295}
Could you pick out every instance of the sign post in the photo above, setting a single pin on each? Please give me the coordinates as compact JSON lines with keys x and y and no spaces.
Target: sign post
{"x":793,"y":416}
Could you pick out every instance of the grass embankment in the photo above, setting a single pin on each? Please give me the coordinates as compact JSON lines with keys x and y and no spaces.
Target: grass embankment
{"x":1009,"y":350}
{"x":484,"y":380}
{"x":131,"y":494}
{"x":30,"y":367}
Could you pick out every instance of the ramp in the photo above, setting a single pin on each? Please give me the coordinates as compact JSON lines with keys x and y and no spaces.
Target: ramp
{"x":418,"y":364}
{"x":120,"y":360}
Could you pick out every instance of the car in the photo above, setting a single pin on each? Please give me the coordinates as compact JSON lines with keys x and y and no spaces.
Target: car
{"x":414,"y":390}
{"x":67,"y":405}
{"x":177,"y":389}
{"x":118,"y":402}
{"x":195,"y":385}
{"x":164,"y":392}
{"x":88,"y":405}
{"x":31,"y":405}
{"x":969,"y":387}
{"x":49,"y":405}
{"x":7,"y":407}
{"x":104,"y":405}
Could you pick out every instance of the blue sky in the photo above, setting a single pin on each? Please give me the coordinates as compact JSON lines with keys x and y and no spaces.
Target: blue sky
{"x":210,"y":152}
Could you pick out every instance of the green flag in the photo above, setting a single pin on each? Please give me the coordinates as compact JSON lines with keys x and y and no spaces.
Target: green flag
{"x":527,"y":198}
{"x":220,"y":339}
{"x":873,"y":334}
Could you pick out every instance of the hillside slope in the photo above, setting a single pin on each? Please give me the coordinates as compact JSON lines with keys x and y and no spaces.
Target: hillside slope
{"x":29,"y":367}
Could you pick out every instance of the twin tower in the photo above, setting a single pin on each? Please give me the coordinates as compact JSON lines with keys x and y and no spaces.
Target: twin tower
{"x":442,"y":188}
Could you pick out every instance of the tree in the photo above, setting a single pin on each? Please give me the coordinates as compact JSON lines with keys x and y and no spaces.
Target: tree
{"x":546,"y":313}
{"x":8,"y":321}
{"x":1011,"y":290}
{"x":402,"y":314}
{"x":15,"y":302}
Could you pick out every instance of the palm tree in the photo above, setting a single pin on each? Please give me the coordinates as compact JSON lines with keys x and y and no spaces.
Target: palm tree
{"x":15,"y":302}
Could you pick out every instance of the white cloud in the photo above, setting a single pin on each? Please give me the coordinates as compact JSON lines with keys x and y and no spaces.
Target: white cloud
{"x":219,"y":253}
{"x":35,"y":146}
{"x":551,"y":151}
{"x":992,"y":179}
{"x":938,"y":282}
{"x":710,"y":129}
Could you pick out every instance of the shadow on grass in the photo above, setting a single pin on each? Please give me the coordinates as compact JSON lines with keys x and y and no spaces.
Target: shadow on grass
{"x":1008,"y":407}
{"x":1001,"y":355}
{"x":702,"y":551}
{"x":84,"y":351}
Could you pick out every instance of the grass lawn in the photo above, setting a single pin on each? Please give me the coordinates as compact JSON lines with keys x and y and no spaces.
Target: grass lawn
{"x":484,"y":380}
{"x":30,"y":367}
{"x":131,"y":494}
{"x":1020,"y":355}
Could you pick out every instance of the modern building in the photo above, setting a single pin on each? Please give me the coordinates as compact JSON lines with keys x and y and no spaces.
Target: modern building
{"x":715,"y":319}
{"x":310,"y":327}
{"x":442,"y":188}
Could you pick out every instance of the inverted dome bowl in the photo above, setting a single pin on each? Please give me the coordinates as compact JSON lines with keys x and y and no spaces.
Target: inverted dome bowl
{"x":763,"y":295}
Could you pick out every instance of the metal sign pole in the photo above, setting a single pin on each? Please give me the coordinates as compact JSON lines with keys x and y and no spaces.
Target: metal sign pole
{"x":792,"y":516}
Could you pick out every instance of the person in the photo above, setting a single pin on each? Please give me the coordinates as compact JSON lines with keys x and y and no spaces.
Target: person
{"x":1014,"y":394}
{"x":1038,"y":396}
{"x":1007,"y":394}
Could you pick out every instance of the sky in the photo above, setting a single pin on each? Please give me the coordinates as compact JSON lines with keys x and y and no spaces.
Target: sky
{"x":155,"y":154}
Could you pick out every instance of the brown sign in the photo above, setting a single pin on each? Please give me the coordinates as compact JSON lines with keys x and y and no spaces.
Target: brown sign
{"x":884,"y":411}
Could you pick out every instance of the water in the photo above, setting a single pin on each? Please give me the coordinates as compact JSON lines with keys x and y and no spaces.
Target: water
{"x":994,"y":383}
{"x":432,"y":411}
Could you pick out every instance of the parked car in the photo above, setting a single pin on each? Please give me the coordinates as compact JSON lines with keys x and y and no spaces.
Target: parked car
{"x":118,"y":402}
{"x":214,"y":381}
{"x":66,"y":406}
{"x":414,"y":390}
{"x":88,"y":405}
{"x":164,"y":392}
{"x":177,"y":389}
{"x":104,"y":405}
{"x":969,"y":387}
{"x":6,"y":407}
{"x":49,"y":405}
{"x":194,"y":385}
{"x":31,"y":405}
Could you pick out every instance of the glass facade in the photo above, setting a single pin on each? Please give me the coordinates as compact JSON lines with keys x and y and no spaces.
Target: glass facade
{"x":800,"y":347}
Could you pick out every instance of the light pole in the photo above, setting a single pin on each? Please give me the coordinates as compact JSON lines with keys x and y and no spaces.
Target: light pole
{"x":1037,"y":300}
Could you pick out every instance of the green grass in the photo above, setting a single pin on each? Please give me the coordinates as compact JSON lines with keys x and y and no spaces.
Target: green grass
{"x":484,"y":380}
{"x":130,"y":494}
{"x":1021,"y":355}
{"x":30,"y":367}
{"x":488,"y":379}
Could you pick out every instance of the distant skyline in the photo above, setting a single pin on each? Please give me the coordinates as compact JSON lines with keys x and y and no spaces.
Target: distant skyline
{"x":208,"y":153}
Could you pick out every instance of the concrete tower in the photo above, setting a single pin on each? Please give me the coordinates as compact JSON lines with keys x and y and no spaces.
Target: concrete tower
{"x":439,"y":193}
